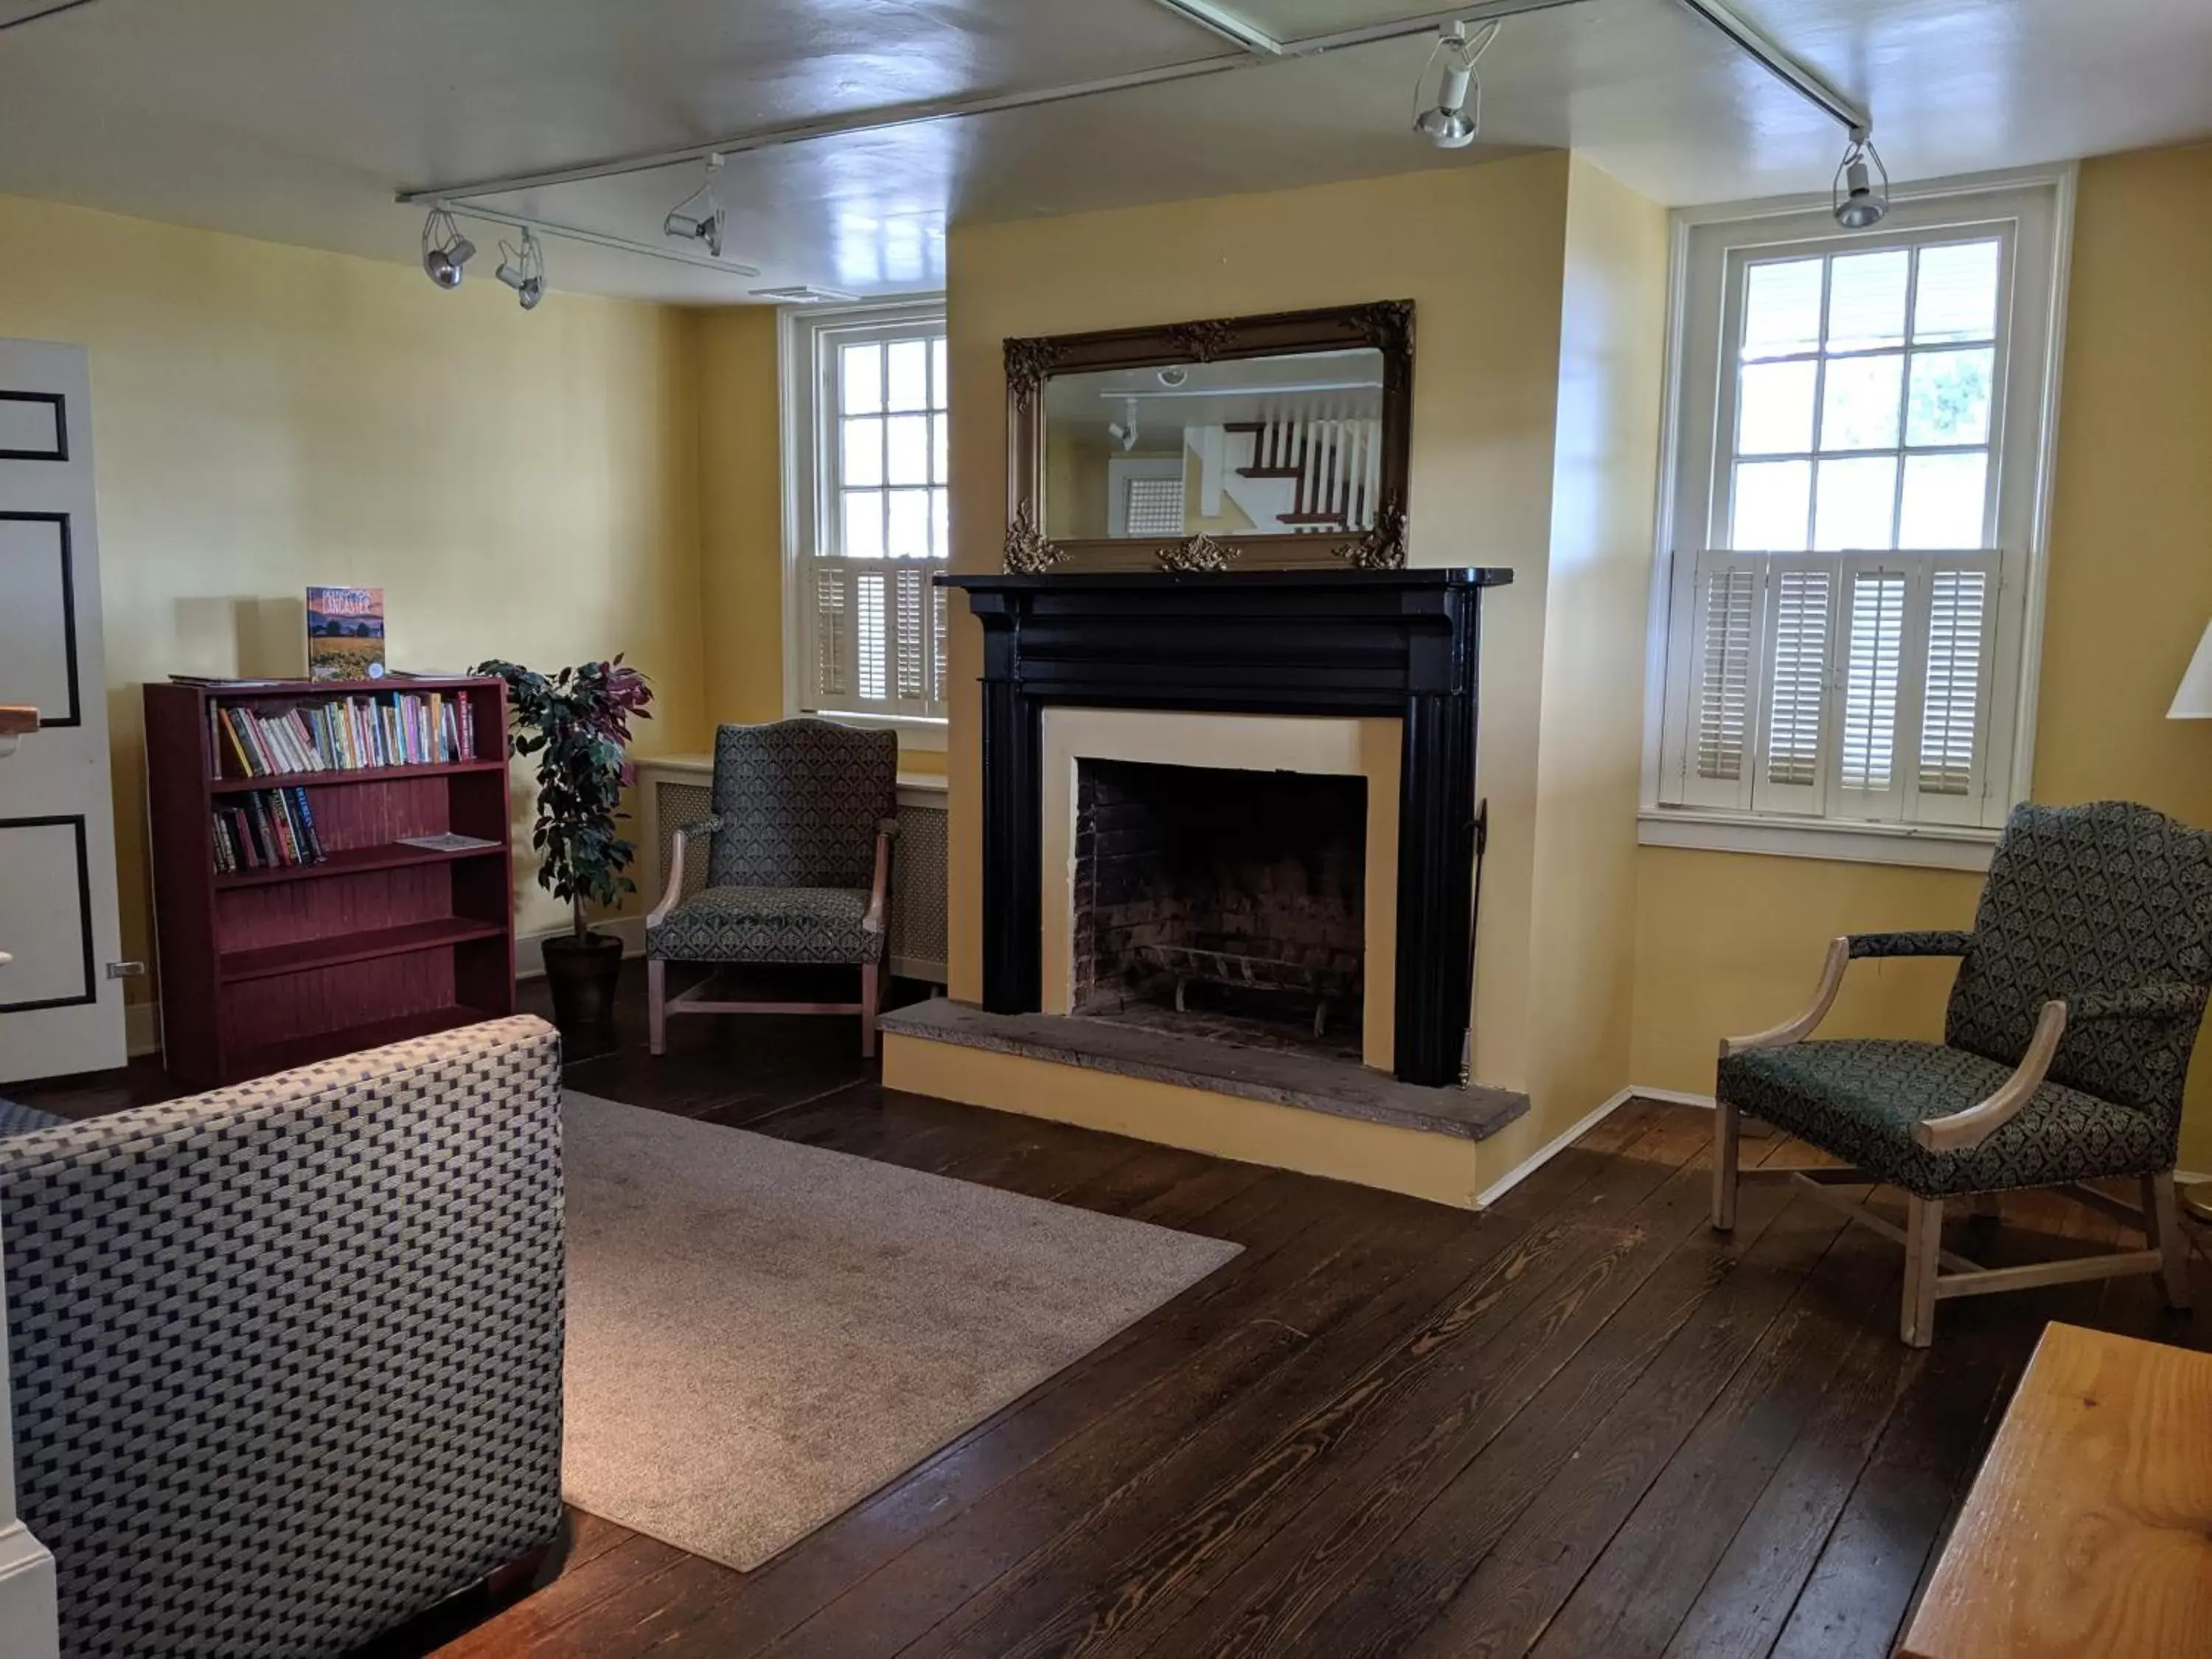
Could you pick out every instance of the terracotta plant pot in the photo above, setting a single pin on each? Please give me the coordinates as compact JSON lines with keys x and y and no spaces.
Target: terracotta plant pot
{"x":581,"y":974}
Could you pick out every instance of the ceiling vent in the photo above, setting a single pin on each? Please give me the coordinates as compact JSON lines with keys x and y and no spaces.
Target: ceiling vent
{"x":803,"y":293}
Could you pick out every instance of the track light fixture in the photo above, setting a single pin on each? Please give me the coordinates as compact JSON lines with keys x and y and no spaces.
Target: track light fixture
{"x":445,"y":250}
{"x":523,"y":269}
{"x":699,"y":216}
{"x":1853,"y":197}
{"x":1452,"y":118}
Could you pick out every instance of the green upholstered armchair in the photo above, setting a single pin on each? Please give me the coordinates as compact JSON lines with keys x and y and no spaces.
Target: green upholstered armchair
{"x":2064,"y":1053}
{"x":798,"y":868}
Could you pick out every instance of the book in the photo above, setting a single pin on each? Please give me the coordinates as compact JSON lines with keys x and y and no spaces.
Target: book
{"x":345,"y":633}
{"x":350,"y":734}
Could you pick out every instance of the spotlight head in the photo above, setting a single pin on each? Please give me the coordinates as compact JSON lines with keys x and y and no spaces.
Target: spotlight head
{"x":523,"y":269}
{"x":445,"y":250}
{"x":700,"y":217}
{"x":1854,"y":196}
{"x":1447,"y":121}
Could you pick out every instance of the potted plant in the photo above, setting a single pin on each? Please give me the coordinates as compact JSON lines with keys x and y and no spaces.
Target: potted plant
{"x":577,"y":724}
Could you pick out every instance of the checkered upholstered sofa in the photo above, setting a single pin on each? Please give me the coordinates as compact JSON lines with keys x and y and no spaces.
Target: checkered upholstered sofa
{"x":285,"y":1357}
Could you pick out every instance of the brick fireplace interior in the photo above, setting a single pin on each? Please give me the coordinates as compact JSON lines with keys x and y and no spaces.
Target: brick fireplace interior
{"x":1225,"y":903}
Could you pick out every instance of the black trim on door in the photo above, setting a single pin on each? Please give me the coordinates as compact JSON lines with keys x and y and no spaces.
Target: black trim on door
{"x":66,"y":547}
{"x":60,"y":406}
{"x":84,"y":913}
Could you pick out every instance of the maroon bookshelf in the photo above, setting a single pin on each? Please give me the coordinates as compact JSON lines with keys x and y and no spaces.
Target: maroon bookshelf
{"x":265,"y":969}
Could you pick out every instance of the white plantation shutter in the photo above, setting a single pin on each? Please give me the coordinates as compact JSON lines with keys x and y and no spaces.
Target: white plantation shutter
{"x":1724,"y":653}
{"x":1855,"y":686}
{"x":1800,"y":597}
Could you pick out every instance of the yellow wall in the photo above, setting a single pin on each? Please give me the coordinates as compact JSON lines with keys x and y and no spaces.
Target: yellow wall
{"x":1726,"y":942}
{"x":740,"y":513}
{"x":265,"y":416}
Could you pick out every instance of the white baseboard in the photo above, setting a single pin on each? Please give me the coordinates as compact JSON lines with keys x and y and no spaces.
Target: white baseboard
{"x":30,"y":1628}
{"x":530,"y":948}
{"x":1567,"y":1137}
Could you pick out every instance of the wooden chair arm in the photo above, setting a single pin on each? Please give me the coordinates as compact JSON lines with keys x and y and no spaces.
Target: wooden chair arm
{"x":1796,"y":1031}
{"x":1975,"y":1124}
{"x":672,"y":882}
{"x":879,"y":892}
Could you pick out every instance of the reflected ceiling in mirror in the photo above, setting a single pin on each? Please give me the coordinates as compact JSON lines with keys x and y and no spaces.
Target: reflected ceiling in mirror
{"x":1287,"y":444}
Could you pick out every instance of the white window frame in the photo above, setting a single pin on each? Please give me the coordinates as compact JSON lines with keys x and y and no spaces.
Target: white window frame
{"x":807,"y":337}
{"x":1710,"y":244}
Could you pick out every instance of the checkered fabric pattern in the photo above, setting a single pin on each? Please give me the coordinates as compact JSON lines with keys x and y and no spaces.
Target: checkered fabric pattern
{"x":286,"y":1358}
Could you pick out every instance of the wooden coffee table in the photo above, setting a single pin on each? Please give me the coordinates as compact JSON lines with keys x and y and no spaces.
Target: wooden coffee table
{"x":2089,"y":1531}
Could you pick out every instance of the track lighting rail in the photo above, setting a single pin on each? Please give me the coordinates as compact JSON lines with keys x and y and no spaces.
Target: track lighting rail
{"x":1256,"y":48}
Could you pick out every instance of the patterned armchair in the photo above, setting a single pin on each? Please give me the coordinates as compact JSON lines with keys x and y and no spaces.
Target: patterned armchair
{"x":798,"y":868}
{"x":2064,"y":1053}
{"x":285,"y":1357}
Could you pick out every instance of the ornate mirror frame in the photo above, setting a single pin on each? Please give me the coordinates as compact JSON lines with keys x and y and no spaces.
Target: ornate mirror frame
{"x":1387,"y":325}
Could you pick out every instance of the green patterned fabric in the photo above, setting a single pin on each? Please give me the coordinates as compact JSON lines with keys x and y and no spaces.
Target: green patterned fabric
{"x":792,"y":858}
{"x":800,"y":803}
{"x":1860,"y":1099}
{"x":2107,"y":907}
{"x":768,"y":924}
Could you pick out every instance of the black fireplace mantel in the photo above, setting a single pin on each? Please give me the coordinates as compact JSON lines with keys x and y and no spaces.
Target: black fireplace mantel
{"x":1391,"y":644}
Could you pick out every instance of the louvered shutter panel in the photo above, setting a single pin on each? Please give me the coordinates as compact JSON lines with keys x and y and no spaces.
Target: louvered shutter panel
{"x":1958,"y":629}
{"x":1792,"y":771}
{"x":833,"y":635}
{"x":1722,"y":689}
{"x":1872,"y":754}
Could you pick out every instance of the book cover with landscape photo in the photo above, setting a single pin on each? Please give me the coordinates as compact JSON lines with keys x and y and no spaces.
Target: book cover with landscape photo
{"x":345,"y":633}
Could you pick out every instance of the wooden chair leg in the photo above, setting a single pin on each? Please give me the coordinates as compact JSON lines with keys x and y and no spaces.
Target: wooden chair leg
{"x":656,"y":1005}
{"x":1924,"y":1241}
{"x":871,"y":1001}
{"x":1727,"y":1131}
{"x":2162,"y":1226}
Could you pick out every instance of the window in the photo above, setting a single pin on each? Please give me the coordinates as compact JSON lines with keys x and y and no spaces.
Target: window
{"x":1859,"y":442}
{"x":867,"y":445}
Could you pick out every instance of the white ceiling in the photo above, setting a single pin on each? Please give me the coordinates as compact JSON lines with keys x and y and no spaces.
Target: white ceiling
{"x":295,"y":120}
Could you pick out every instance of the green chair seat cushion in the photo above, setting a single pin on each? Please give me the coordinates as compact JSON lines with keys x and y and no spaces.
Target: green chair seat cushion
{"x":1858,"y":1099}
{"x":768,"y":924}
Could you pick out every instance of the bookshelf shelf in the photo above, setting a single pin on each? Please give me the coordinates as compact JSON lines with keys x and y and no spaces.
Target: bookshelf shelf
{"x":266,"y":967}
{"x":360,"y":774}
{"x":353,"y":861}
{"x":337,"y":950}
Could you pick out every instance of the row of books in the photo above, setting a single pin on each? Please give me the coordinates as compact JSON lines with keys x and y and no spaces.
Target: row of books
{"x":268,"y":829}
{"x":350,"y":734}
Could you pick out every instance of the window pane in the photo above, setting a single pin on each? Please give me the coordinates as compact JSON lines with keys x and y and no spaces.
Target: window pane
{"x":1858,"y":406}
{"x":1950,"y":402}
{"x":1774,"y":411}
{"x":940,"y":454}
{"x":1866,"y":301}
{"x":1771,"y":499}
{"x":940,"y":528}
{"x":863,"y":524}
{"x":862,"y":462}
{"x":909,"y":374}
{"x":1856,"y":499}
{"x":860,"y":380}
{"x":909,"y":449}
{"x":1944,"y":500}
{"x":937,"y":376}
{"x":1956,"y":297}
{"x":1782,"y":308}
{"x":909,"y":527}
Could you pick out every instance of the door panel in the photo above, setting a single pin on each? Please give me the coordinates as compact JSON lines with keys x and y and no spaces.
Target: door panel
{"x":59,"y":1010}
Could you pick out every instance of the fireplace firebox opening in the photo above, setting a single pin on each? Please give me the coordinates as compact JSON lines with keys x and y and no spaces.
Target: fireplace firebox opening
{"x":1225,"y":903}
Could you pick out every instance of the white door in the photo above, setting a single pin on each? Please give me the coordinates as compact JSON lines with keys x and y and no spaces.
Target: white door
{"x":59,"y":1010}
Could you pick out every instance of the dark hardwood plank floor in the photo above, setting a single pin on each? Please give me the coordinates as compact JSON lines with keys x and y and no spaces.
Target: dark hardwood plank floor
{"x":1581,"y":1423}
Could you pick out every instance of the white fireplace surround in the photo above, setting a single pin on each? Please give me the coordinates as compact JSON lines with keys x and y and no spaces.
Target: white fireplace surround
{"x":1250,"y":742}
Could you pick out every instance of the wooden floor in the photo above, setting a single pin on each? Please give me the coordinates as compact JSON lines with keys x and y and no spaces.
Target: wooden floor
{"x":1581,"y":1423}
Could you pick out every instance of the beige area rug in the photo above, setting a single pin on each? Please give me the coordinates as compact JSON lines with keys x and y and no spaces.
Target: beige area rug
{"x":761,"y":1333}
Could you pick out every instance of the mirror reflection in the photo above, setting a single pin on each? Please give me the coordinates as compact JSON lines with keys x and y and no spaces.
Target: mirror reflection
{"x":1279,"y":445}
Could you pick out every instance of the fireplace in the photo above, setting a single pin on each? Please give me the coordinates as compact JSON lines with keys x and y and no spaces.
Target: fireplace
{"x":1229,"y":903}
{"x":1362,"y":684}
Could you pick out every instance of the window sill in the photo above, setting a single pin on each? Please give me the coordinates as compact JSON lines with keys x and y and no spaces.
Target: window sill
{"x":1927,"y":846}
{"x":915,"y":732}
